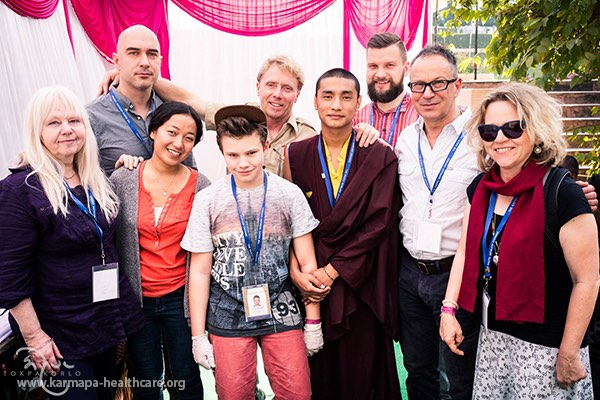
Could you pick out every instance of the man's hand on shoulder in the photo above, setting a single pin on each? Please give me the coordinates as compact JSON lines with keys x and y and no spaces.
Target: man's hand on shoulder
{"x":590,"y":194}
{"x":129,"y":162}
{"x":110,"y":78}
{"x":366,"y":135}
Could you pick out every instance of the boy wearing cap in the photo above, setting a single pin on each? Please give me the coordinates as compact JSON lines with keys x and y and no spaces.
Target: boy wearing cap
{"x":239,"y":234}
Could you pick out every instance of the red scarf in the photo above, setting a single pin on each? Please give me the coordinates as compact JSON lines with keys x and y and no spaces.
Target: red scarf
{"x":520,"y":280}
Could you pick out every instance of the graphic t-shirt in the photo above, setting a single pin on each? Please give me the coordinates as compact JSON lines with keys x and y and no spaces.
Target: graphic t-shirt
{"x":214,"y":226}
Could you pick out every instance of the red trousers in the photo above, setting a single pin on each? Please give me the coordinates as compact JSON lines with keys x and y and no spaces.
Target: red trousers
{"x":284,"y":357}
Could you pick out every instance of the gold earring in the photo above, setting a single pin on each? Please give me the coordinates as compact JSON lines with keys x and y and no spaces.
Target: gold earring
{"x":537,"y":149}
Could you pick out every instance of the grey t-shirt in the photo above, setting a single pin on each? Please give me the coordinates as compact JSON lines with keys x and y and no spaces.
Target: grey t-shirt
{"x":113,"y":134}
{"x":214,"y":226}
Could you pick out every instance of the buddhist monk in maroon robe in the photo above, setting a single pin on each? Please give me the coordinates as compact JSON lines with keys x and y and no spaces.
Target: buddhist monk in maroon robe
{"x":354,"y":193}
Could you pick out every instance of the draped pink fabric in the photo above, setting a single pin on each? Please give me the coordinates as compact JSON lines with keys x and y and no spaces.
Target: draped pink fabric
{"x":266,"y":17}
{"x":104,"y":20}
{"x":253,"y":17}
{"x":369,"y":17}
{"x":402,"y":17}
{"x":33,"y":8}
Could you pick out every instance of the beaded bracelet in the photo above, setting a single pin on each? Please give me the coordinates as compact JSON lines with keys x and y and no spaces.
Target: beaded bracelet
{"x":45,"y":343}
{"x":448,"y":310}
{"x":327,"y":273}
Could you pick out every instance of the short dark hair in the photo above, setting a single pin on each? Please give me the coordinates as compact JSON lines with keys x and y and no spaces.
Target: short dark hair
{"x":238,"y":127}
{"x":386,"y":39}
{"x":438,"y":50}
{"x":166,"y":110}
{"x":570,"y":163}
{"x":338,"y":73}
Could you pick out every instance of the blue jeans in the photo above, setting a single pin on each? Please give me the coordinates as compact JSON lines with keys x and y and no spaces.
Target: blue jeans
{"x":420,"y":298}
{"x":165,"y":323}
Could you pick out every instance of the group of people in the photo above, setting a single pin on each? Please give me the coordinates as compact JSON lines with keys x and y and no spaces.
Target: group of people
{"x":321,"y":249}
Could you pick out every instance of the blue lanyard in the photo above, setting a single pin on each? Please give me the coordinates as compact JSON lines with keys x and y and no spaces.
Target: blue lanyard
{"x":91,"y":213}
{"x":261,"y":222}
{"x":390,"y":136}
{"x":488,"y":248}
{"x":326,"y":176}
{"x":442,"y":170}
{"x":129,"y":121}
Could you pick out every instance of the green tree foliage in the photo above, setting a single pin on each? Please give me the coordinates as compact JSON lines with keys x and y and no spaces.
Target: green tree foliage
{"x":539,"y":40}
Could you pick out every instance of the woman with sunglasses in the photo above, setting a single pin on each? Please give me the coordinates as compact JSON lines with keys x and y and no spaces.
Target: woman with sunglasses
{"x":535,"y":297}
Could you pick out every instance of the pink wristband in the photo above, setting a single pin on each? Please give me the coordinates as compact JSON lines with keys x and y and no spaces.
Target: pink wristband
{"x":312,"y":321}
{"x":448,"y":310}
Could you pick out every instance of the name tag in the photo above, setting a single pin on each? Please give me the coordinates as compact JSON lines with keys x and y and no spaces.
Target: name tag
{"x":257,"y":305}
{"x":429,"y":237}
{"x":105,"y":282}
{"x":484,"y":309}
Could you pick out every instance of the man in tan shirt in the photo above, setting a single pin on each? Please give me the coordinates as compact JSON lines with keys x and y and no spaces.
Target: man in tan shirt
{"x":278,"y":85}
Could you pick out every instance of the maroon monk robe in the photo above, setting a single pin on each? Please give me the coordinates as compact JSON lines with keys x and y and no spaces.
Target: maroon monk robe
{"x":360,"y":238}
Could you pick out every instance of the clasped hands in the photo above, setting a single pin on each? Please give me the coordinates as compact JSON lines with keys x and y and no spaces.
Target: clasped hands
{"x":315,"y":285}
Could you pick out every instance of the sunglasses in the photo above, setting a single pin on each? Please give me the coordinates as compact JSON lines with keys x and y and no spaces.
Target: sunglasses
{"x":511,"y":129}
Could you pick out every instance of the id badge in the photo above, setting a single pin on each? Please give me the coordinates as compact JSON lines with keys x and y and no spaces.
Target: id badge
{"x":429,"y":237}
{"x":257,"y":305}
{"x":484,"y":309}
{"x":105,"y":282}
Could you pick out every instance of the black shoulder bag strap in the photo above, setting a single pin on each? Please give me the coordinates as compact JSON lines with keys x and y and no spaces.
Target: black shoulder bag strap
{"x":552,"y":181}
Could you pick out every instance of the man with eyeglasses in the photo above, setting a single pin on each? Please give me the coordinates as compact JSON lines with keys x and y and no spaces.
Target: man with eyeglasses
{"x":435,"y":168}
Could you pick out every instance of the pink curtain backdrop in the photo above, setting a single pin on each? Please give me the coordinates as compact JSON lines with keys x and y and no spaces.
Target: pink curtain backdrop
{"x":33,"y":8}
{"x":266,"y":17}
{"x":104,"y":20}
{"x":368,"y":17}
{"x":253,"y":17}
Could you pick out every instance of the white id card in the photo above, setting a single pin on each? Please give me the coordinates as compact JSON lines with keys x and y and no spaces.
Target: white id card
{"x":105,"y":282}
{"x":429,"y":237}
{"x":485,"y":303}
{"x":257,"y":305}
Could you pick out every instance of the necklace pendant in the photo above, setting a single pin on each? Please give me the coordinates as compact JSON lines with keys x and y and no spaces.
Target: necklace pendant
{"x":495,"y":259}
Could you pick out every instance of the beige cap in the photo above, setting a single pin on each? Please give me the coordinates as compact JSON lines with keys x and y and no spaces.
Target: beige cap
{"x":251,"y":113}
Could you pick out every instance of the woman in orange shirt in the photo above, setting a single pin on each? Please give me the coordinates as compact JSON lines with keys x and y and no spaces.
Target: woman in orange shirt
{"x":156,"y":202}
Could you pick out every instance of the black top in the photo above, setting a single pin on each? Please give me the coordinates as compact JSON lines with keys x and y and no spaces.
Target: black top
{"x":571,"y":203}
{"x":49,"y":258}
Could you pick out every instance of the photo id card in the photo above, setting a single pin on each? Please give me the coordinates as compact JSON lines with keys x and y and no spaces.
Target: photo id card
{"x":257,"y":305}
{"x":105,"y":282}
{"x":429,"y":237}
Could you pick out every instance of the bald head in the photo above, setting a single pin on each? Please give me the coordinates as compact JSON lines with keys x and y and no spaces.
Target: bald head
{"x":138,"y":58}
{"x":135,"y":33}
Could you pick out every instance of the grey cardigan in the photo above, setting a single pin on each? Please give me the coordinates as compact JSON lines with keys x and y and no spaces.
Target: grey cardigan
{"x":126,"y":184}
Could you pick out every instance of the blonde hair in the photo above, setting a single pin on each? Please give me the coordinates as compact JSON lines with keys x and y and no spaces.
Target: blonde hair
{"x":285,"y":63}
{"x":542,"y":116}
{"x":49,"y":169}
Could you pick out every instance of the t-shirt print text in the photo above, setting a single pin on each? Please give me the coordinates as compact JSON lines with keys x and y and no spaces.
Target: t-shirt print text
{"x":229,"y":258}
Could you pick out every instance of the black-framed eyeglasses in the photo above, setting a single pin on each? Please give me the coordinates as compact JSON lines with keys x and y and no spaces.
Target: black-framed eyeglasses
{"x":435,"y":86}
{"x":511,"y":129}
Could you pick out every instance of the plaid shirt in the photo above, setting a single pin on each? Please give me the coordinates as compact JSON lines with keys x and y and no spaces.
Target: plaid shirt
{"x":383,"y":121}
